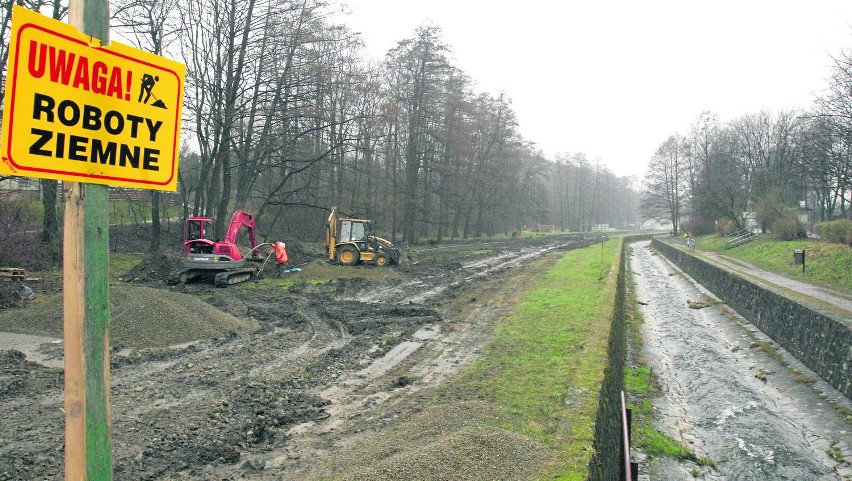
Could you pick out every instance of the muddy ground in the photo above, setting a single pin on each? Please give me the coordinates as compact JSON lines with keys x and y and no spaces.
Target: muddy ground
{"x":302,"y":376}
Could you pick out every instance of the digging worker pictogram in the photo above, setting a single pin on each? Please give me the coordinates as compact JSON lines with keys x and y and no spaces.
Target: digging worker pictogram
{"x":148,"y":82}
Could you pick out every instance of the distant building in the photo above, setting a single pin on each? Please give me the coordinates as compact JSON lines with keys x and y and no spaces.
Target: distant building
{"x":30,"y":188}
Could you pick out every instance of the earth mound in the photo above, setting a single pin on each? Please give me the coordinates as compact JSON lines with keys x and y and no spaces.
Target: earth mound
{"x":154,"y":267}
{"x":140,"y":317}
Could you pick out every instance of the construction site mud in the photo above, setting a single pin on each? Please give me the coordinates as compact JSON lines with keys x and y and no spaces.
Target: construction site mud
{"x":311,"y":368}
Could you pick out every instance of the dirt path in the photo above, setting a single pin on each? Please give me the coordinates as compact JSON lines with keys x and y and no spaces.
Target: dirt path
{"x":838,"y":301}
{"x":725,"y":396}
{"x":329,"y":364}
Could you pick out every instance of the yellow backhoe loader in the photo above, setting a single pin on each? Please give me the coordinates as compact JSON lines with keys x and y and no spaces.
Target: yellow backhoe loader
{"x":351,"y":241}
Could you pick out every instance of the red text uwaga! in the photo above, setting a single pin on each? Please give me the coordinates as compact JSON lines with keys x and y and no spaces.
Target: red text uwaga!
{"x":68,"y":68}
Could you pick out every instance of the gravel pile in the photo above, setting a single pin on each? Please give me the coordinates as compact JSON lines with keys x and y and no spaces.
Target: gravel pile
{"x":469,"y":454}
{"x":140,"y":317}
{"x":154,"y":267}
{"x":451,"y":441}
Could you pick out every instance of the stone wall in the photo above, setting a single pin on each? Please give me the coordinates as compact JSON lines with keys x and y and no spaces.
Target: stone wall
{"x":607,"y":459}
{"x":821,"y":342}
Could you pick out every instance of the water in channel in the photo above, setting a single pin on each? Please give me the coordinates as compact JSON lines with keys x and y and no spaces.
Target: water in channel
{"x":725,"y":397}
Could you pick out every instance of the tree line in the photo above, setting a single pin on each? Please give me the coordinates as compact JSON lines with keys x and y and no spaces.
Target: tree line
{"x":285,"y":117}
{"x":758,"y":166}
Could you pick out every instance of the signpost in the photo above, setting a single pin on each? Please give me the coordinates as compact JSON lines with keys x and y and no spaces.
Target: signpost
{"x":90,"y":115}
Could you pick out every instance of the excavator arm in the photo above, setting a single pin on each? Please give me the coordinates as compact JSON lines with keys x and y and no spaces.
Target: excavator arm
{"x":331,"y":233}
{"x":239,"y":220}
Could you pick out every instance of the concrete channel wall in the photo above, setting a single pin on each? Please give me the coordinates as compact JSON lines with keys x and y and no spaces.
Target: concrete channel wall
{"x":606,"y":461}
{"x":822,"y":343}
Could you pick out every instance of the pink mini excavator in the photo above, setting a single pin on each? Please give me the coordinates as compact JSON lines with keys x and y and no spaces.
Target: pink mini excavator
{"x":204,"y":256}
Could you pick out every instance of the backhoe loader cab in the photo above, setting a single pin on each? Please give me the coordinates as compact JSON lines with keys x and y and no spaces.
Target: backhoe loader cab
{"x":351,"y":241}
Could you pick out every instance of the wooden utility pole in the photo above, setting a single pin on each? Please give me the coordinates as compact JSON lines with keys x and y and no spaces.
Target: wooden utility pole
{"x":86,"y":303}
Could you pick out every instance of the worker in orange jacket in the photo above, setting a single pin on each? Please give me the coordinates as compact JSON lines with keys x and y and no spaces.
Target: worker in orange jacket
{"x":281,"y":257}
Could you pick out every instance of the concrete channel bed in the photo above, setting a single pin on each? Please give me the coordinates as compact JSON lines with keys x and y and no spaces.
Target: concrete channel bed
{"x":821,"y":341}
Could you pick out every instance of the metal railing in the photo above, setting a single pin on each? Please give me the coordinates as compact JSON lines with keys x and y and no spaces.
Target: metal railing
{"x":630,"y":470}
{"x":739,"y":238}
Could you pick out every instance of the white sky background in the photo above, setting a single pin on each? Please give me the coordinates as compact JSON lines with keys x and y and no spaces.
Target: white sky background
{"x":614,"y":79}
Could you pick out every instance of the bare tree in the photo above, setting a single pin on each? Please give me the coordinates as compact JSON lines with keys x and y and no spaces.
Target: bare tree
{"x":664,"y":194}
{"x":214,"y":47}
{"x":767,"y":150}
{"x":716,"y":184}
{"x":150,"y":24}
{"x":56,"y":9}
{"x":419,"y":68}
{"x":834,"y":107}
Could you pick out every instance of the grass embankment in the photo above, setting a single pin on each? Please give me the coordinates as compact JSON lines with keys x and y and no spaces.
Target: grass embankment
{"x":826,"y":264}
{"x":119,"y":264}
{"x":525,"y":409}
{"x":544,"y":368}
{"x":120,"y":211}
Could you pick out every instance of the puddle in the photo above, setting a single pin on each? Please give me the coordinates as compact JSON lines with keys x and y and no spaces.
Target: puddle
{"x":43,"y":350}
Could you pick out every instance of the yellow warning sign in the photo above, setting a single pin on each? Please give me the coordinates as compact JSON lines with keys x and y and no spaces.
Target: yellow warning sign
{"x":75,"y":110}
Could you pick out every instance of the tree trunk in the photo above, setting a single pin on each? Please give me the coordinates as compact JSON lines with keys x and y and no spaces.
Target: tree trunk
{"x":154,"y":245}
{"x":50,"y":222}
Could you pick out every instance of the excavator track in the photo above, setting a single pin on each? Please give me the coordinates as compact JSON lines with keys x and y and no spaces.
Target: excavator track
{"x":227,"y":278}
{"x":181,"y":276}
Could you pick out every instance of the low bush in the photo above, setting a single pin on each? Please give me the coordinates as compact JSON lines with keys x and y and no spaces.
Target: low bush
{"x":696,"y":225}
{"x":20,"y":227}
{"x":725,"y":227}
{"x":788,"y":228}
{"x":836,"y":231}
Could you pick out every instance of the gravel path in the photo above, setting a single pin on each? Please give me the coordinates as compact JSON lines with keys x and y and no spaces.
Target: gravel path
{"x":816,"y":294}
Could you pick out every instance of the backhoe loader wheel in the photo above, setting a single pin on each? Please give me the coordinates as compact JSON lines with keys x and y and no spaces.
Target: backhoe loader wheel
{"x":348,"y":255}
{"x":382,"y":260}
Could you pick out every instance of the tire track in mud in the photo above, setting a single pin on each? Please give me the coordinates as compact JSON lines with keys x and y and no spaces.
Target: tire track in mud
{"x":322,"y":369}
{"x":725,"y":397}
{"x":369,"y":398}
{"x":444,"y":357}
{"x":324,"y":337}
{"x":457,"y":274}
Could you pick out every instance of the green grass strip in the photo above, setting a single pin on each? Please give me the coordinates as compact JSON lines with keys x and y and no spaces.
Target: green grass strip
{"x":545,"y":365}
{"x":120,"y":264}
{"x":826,"y":264}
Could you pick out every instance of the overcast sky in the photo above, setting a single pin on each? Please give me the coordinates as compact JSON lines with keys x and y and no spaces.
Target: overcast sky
{"x":614,"y":79}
